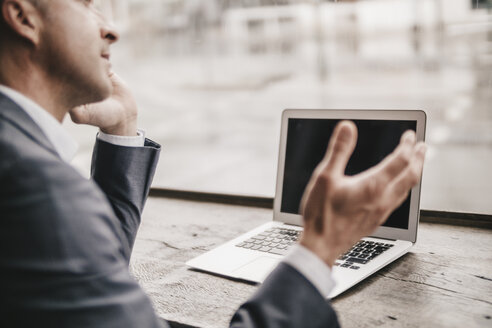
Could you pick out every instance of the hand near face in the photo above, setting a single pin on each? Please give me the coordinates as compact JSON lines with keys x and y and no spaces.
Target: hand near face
{"x":338,"y":210}
{"x":117,"y":115}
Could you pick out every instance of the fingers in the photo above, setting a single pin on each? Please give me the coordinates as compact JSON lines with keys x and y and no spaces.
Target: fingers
{"x":395,"y":176}
{"x":80,"y":115}
{"x":402,"y":184}
{"x":397,"y":161}
{"x":341,"y":147}
{"x":115,"y":79}
{"x":397,"y":191}
{"x":118,"y":83}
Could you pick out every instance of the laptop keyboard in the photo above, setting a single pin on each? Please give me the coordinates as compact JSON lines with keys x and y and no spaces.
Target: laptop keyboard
{"x":274,"y":241}
{"x":361,"y":253}
{"x":279,"y":240}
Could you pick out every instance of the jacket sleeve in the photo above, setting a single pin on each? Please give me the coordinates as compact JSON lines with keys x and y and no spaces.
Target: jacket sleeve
{"x":286,"y":299}
{"x":125,"y":175}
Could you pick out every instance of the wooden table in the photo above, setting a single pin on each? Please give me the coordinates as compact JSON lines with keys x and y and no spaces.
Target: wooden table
{"x":445,"y":281}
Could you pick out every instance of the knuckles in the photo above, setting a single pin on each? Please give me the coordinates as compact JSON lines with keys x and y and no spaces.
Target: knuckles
{"x":372,"y":189}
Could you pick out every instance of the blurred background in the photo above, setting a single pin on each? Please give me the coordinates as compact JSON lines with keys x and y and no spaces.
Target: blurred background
{"x":212,"y":78}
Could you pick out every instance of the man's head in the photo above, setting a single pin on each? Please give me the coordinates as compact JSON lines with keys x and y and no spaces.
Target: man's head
{"x":64,"y":44}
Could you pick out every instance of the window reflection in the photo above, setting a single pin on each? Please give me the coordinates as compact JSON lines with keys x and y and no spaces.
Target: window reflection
{"x":212,"y":78}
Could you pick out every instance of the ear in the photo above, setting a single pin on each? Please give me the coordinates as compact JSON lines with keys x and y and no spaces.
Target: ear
{"x":22,"y":18}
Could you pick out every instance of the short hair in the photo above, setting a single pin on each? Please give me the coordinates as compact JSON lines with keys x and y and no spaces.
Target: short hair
{"x":1,"y":15}
{"x":3,"y":27}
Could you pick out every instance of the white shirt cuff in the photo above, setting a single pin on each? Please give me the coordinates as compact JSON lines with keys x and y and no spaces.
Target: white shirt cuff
{"x":311,"y":267}
{"x":127,"y":141}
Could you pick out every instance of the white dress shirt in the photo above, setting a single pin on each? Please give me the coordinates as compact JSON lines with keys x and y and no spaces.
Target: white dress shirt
{"x":299,"y":257}
{"x":311,"y":267}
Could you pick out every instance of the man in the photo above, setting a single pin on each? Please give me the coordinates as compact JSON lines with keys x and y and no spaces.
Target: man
{"x":65,"y":242}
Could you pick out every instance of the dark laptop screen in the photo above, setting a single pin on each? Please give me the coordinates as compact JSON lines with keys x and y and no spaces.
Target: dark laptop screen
{"x":307,"y":141}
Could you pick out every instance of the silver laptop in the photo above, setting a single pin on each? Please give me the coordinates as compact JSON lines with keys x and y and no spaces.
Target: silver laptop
{"x":303,"y":142}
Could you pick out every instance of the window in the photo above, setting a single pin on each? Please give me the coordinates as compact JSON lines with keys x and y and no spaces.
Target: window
{"x":212,"y":78}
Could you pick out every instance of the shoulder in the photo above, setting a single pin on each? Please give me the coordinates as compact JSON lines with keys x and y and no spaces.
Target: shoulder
{"x":47,"y":202}
{"x":25,"y":163}
{"x":8,"y":152}
{"x":18,"y":146}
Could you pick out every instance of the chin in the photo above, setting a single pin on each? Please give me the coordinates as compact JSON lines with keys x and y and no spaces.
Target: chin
{"x":101,"y":92}
{"x":83,"y":90}
{"x":107,"y":91}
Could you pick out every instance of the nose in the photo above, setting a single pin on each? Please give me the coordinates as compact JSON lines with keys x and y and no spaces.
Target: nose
{"x":108,"y":32}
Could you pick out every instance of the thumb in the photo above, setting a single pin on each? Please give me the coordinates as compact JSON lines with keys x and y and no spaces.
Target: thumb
{"x":341,"y":147}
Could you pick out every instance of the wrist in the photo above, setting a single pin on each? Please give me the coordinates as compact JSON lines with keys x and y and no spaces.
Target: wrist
{"x":318,"y":247}
{"x":123,"y":129}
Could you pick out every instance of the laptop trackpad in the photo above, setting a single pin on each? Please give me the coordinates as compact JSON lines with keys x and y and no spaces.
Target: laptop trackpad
{"x":257,"y":270}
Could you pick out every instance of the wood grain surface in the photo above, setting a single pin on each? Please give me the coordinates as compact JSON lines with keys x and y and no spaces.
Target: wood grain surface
{"x":445,"y":280}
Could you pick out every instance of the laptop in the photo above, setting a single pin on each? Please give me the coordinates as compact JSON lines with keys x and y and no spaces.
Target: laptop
{"x":303,"y":142}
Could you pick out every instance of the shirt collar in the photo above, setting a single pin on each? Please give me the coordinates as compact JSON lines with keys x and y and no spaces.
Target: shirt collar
{"x":64,"y":144}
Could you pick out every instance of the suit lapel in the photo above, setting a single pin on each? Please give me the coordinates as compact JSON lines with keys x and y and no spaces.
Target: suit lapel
{"x":16,"y":116}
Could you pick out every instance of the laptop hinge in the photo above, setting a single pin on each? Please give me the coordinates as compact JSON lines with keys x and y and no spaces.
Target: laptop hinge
{"x":382,"y":238}
{"x":292,"y":225}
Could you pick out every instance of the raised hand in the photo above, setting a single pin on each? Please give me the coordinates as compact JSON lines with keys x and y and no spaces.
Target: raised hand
{"x":338,"y":210}
{"x":116,"y":115}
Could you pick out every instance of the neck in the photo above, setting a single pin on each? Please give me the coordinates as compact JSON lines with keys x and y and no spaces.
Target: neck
{"x":21,"y":74}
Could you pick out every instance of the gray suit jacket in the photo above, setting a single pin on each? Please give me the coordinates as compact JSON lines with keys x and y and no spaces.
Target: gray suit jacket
{"x":65,"y":241}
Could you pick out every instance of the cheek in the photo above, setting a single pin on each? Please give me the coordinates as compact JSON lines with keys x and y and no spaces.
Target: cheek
{"x":77,"y":39}
{"x":81,"y":56}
